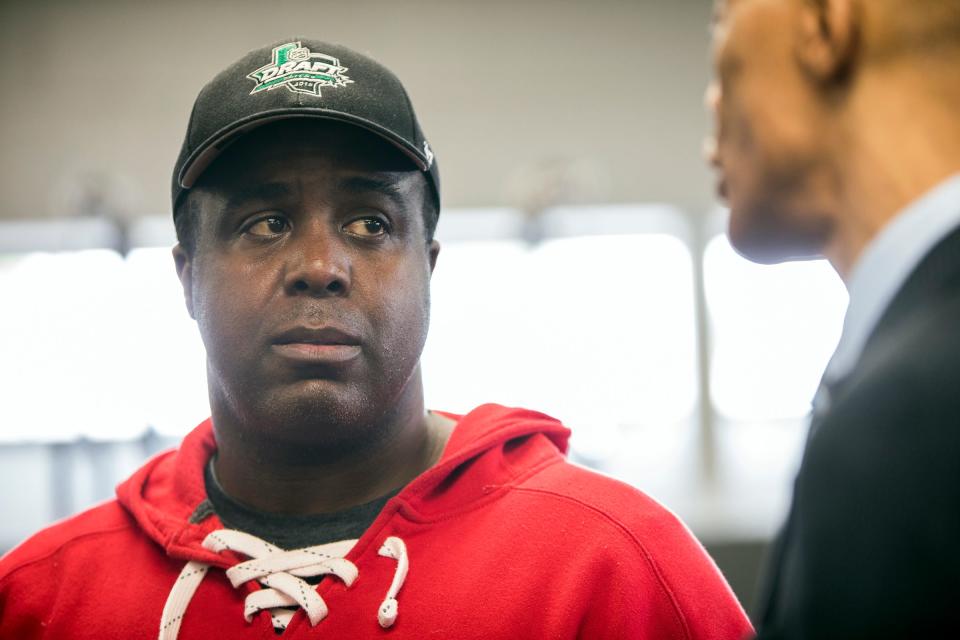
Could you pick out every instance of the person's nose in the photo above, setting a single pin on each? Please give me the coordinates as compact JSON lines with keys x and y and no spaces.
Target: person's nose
{"x":319,"y":264}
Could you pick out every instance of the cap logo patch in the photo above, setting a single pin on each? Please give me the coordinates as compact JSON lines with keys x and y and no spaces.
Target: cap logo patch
{"x":299,"y":70}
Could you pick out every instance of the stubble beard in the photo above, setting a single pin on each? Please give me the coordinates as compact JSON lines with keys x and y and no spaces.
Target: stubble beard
{"x":313,"y":423}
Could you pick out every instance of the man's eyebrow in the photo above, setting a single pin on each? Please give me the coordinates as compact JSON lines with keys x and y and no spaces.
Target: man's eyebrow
{"x":258,"y":191}
{"x":378,"y":184}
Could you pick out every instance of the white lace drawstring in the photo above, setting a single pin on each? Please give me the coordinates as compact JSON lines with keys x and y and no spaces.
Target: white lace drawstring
{"x":281,"y":573}
{"x":183,"y":589}
{"x":393,"y":547}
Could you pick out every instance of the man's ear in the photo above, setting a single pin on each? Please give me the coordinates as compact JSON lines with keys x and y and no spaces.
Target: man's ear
{"x":434,"y":252}
{"x":828,"y":36}
{"x":184,"y":264}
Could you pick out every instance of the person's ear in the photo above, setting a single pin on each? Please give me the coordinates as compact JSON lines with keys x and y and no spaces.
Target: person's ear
{"x":828,"y":37}
{"x":434,"y":250}
{"x":184,"y":264}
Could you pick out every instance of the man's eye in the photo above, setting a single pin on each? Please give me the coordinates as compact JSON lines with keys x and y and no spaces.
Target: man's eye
{"x":271,"y":226}
{"x":367,"y":227}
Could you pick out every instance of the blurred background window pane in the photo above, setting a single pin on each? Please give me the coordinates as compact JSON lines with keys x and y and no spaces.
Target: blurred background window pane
{"x":596,"y":330}
{"x":773,"y":329}
{"x":66,"y":344}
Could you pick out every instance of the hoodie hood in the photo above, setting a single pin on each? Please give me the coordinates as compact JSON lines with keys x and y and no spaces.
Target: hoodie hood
{"x":490,"y":449}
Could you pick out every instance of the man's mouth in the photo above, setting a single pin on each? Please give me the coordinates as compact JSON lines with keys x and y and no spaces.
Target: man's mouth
{"x":325,"y":345}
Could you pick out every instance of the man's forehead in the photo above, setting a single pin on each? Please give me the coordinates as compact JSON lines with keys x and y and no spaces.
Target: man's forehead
{"x":285,"y":185}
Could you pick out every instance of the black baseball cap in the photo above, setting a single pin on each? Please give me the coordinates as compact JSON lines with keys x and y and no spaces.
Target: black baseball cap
{"x":300,"y":78}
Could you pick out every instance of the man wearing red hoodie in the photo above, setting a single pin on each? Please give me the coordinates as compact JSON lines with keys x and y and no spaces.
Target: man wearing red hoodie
{"x":321,"y":499}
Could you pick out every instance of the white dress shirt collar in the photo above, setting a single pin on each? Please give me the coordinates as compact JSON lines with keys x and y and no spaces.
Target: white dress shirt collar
{"x":885,"y":265}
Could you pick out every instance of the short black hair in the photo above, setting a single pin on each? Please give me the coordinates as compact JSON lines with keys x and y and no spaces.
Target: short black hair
{"x":186,"y":218}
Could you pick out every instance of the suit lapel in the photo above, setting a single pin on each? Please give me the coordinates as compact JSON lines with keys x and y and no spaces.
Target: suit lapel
{"x":937,"y":273}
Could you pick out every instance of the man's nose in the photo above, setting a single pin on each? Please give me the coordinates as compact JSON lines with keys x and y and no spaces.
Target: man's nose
{"x":319,"y":265}
{"x":711,"y":97}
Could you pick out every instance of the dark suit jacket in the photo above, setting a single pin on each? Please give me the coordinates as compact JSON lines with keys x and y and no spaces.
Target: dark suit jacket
{"x":871,"y":548}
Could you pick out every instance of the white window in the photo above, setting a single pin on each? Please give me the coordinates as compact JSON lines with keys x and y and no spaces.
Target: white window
{"x":67,"y":346}
{"x":597,"y":330}
{"x":773,"y":329}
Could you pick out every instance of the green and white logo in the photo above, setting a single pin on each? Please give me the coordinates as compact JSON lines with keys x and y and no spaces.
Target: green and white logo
{"x":299,"y":70}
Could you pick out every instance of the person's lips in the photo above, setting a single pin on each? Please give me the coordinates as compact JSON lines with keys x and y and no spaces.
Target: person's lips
{"x":325,"y":345}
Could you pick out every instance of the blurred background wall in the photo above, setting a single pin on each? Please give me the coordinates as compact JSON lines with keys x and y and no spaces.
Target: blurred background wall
{"x":96,"y":93}
{"x":568,"y":134}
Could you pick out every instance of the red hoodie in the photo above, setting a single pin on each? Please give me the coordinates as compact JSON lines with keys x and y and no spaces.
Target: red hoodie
{"x":502,"y":538}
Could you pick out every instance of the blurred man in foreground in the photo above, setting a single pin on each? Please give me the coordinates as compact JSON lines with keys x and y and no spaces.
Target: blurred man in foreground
{"x":838,"y":133}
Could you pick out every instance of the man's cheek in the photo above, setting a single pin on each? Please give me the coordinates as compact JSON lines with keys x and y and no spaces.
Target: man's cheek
{"x":402,"y":321}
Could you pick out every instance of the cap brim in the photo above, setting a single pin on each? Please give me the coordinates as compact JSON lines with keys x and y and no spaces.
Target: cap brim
{"x":208,"y":151}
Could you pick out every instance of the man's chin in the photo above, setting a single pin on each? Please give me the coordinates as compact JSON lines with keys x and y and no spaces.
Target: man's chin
{"x":321,"y":399}
{"x":770,"y":252}
{"x":310,"y":412}
{"x":764,"y":238}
